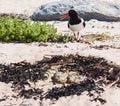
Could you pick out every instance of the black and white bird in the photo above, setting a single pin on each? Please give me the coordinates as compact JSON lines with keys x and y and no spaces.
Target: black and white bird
{"x":75,"y":23}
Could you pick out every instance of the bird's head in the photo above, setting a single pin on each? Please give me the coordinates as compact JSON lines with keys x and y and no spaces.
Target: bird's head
{"x":71,"y":13}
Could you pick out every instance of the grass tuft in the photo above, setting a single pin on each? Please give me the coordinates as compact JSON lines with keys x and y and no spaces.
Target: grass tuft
{"x":97,"y":37}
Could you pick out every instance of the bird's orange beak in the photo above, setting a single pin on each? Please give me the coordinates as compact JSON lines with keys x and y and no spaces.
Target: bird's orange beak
{"x":64,"y":16}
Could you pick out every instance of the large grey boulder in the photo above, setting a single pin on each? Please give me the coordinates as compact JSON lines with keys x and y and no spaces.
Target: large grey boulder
{"x":107,"y":10}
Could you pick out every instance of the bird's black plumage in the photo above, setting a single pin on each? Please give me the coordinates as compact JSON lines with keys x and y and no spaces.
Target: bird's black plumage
{"x":74,"y":18}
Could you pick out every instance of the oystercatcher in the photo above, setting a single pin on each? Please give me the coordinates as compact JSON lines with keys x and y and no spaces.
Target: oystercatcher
{"x":75,"y":23}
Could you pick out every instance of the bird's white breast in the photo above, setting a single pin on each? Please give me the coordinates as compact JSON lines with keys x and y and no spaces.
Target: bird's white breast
{"x":77,"y":27}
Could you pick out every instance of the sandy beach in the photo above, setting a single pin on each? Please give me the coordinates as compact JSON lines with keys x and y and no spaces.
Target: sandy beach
{"x":32,"y":52}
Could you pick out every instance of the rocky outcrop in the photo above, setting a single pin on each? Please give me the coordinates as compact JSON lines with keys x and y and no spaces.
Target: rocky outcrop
{"x":107,"y":10}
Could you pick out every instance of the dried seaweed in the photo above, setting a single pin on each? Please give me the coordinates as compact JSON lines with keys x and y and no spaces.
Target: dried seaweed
{"x":74,"y":89}
{"x":98,"y":71}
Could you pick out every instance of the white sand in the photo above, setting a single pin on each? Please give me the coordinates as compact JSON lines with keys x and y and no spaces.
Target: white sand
{"x":21,"y":6}
{"x":16,"y":52}
{"x":10,"y":53}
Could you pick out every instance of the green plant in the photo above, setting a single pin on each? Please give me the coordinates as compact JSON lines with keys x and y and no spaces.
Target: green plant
{"x":65,"y":38}
{"x":18,"y":30}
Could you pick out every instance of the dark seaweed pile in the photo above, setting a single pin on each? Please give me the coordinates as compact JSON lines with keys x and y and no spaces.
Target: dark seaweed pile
{"x":20,"y":74}
{"x":77,"y":89}
{"x":14,"y":15}
{"x":22,"y":71}
{"x":92,"y":67}
{"x":97,"y":70}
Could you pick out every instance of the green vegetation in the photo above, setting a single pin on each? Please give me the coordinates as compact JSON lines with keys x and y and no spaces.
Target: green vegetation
{"x":65,"y":38}
{"x":18,"y":30}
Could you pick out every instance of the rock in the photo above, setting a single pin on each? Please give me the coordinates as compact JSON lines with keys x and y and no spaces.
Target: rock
{"x":107,"y":10}
{"x":67,"y":77}
{"x":60,"y":77}
{"x":73,"y":77}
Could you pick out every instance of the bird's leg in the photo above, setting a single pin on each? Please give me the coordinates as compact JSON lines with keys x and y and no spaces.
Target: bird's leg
{"x":75,"y":35}
{"x":78,"y":36}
